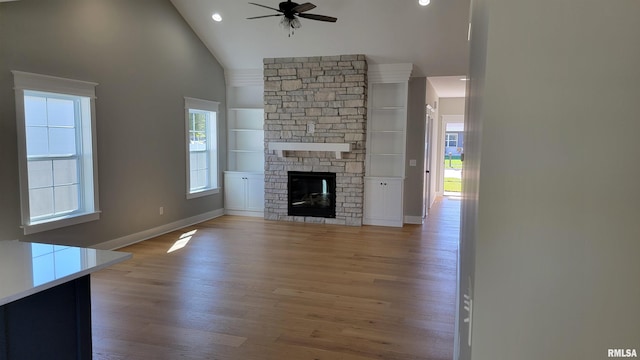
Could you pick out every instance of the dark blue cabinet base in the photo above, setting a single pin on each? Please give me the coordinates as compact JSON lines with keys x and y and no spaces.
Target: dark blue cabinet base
{"x":54,"y":324}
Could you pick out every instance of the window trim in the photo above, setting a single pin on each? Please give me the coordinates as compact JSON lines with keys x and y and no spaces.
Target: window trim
{"x":24,"y":81}
{"x":205,"y":105}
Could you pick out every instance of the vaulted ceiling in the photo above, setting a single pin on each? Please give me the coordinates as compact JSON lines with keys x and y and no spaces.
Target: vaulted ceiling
{"x":433,"y":37}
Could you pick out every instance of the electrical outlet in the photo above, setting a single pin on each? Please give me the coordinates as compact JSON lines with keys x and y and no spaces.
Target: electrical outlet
{"x":311,"y":128}
{"x":161,"y":210}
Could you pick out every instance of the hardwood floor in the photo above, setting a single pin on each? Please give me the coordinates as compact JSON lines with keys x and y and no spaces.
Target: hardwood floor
{"x":245,"y":288}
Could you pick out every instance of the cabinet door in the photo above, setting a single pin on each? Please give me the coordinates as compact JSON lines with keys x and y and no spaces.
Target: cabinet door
{"x":383,"y":201}
{"x":234,"y":191}
{"x":393,"y":199}
{"x":374,"y":197}
{"x":255,"y":192}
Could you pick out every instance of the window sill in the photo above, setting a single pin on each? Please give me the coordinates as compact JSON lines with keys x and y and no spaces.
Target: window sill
{"x":201,"y":193}
{"x":60,"y":222}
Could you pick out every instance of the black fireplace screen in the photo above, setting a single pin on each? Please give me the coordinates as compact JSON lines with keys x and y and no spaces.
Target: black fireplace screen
{"x":312,"y":194}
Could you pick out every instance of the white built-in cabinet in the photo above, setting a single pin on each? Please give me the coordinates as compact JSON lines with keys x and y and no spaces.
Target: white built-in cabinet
{"x":386,"y":144}
{"x":244,"y":193}
{"x":244,"y":179}
{"x":383,"y":201}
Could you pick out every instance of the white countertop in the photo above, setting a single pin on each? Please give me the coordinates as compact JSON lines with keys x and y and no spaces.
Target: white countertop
{"x":28,"y":268}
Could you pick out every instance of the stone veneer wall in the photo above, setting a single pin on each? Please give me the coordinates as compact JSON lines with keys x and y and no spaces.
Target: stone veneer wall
{"x":331,"y":93}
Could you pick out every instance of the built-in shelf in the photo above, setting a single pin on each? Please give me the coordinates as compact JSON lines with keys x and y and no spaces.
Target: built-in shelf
{"x":337,"y":148}
{"x":245,"y":122}
{"x":387,"y":126}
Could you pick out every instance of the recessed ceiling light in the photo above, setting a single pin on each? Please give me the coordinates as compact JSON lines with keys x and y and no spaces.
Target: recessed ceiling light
{"x":424,"y":2}
{"x":216,"y":17}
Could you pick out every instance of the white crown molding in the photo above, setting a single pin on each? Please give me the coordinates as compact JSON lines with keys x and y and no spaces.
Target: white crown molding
{"x":390,"y":73}
{"x":244,"y":77}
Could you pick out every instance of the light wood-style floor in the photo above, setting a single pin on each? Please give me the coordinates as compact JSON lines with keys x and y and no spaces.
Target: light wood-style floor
{"x":245,"y":288}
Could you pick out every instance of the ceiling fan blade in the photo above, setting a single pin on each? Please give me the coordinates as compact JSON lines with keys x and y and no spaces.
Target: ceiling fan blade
{"x":303,"y":7}
{"x":318,"y":17}
{"x":263,"y":16}
{"x":264,"y":6}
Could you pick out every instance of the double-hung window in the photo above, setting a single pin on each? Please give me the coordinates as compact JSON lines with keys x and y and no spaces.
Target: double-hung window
{"x":451,"y":140}
{"x":202,"y":147}
{"x":57,"y":151}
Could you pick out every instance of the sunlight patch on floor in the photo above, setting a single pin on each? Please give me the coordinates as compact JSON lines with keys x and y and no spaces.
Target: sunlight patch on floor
{"x":182,"y":241}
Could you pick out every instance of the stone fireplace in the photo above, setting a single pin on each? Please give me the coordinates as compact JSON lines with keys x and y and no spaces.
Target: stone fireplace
{"x":318,"y":104}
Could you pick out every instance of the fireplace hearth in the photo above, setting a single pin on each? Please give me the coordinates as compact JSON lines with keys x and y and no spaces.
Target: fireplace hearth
{"x":312,"y":194}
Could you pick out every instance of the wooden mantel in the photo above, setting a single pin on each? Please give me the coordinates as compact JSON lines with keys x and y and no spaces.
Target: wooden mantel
{"x":281,"y":147}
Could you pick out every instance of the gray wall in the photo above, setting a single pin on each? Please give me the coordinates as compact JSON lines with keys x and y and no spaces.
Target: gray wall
{"x":414,"y":182}
{"x":452,"y":106}
{"x":551,"y":244}
{"x":145,"y":59}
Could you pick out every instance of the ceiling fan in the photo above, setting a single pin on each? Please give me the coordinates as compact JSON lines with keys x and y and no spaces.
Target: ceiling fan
{"x":290,"y":12}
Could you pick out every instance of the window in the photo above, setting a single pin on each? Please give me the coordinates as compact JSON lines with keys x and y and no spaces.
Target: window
{"x":202,"y":147}
{"x":451,"y":140}
{"x":56,"y":139}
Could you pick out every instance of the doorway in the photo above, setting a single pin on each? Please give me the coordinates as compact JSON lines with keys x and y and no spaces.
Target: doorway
{"x":453,"y":155}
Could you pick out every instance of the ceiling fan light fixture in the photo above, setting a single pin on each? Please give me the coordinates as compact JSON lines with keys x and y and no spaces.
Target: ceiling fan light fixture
{"x":288,"y":23}
{"x":290,"y":11}
{"x":424,"y":2}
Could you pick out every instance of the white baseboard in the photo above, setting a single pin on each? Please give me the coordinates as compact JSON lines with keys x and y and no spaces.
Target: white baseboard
{"x":245,"y":213}
{"x":417,"y":220}
{"x":379,"y":222}
{"x":157,"y":231}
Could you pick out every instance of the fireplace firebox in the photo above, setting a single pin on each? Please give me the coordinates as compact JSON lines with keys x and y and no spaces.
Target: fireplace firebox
{"x":312,"y":194}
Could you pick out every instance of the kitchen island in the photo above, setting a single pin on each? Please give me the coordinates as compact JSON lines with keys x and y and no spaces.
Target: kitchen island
{"x":45,"y":299}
